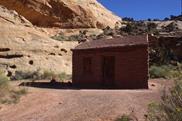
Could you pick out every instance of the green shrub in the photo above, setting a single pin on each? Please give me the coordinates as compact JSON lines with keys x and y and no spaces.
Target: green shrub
{"x":63,"y":76}
{"x":66,"y":38}
{"x":38,"y":75}
{"x":123,"y":118}
{"x":13,"y":96}
{"x":8,"y":94}
{"x":165,"y":71}
{"x":159,"y":71}
{"x":4,"y":81}
{"x":60,"y":37}
{"x":74,"y":37}
{"x":21,"y":75}
{"x":4,"y":84}
{"x":60,"y":76}
{"x":170,"y":109}
{"x":48,"y":75}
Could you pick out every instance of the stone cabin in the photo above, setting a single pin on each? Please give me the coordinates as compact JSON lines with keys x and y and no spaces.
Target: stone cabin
{"x":120,"y":63}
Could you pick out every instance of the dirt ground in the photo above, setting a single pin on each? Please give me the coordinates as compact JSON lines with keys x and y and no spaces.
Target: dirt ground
{"x":46,"y":104}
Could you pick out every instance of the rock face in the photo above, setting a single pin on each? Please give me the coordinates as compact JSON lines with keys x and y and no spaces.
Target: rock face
{"x":63,"y":13}
{"x":25,"y":48}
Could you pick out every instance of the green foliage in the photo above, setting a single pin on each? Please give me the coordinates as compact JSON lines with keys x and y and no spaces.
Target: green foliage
{"x":171,"y":27}
{"x":152,"y":27}
{"x":123,"y":118}
{"x":4,"y":84}
{"x":4,"y":81}
{"x":39,"y":75}
{"x":60,"y":76}
{"x":128,"y":19}
{"x":9,"y":95}
{"x":170,"y":109}
{"x":76,"y":37}
{"x":63,"y":76}
{"x":139,"y":27}
{"x":48,"y":75}
{"x":60,"y":37}
{"x":23,"y":75}
{"x":13,"y":96}
{"x":166,"y":71}
{"x":159,"y":71}
{"x":108,"y":31}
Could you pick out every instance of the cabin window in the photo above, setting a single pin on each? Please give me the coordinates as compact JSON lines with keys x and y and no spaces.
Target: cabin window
{"x":87,"y":65}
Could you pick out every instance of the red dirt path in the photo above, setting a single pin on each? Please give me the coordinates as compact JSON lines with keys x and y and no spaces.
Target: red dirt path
{"x":81,"y":105}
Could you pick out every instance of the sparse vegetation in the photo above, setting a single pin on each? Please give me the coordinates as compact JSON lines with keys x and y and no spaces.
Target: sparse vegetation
{"x":4,"y":84}
{"x":123,"y":118}
{"x":39,"y":75}
{"x":9,"y":94}
{"x":166,"y":71}
{"x":60,"y":37}
{"x":171,"y":27}
{"x":76,"y":37}
{"x":21,"y":75}
{"x":51,"y":75}
{"x":170,"y":109}
{"x":63,"y":76}
{"x":127,"y":117}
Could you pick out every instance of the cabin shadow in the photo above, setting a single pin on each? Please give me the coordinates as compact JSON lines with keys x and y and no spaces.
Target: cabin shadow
{"x":49,"y":85}
{"x":68,"y":86}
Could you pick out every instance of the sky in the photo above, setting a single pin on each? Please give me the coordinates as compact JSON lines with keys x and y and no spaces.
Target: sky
{"x":143,"y":9}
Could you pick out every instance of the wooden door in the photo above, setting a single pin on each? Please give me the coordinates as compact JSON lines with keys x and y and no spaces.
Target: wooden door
{"x":108,"y":70}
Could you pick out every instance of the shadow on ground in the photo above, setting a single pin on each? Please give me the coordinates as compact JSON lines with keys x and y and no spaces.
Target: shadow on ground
{"x":64,"y":85}
{"x":50,"y":85}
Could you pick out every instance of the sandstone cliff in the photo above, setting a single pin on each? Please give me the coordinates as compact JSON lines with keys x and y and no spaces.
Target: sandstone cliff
{"x":25,"y":48}
{"x":63,"y":13}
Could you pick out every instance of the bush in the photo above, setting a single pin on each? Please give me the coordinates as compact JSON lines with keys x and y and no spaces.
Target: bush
{"x":4,"y":84}
{"x":159,"y":71}
{"x":171,"y":27}
{"x":51,"y":75}
{"x":21,"y":75}
{"x":123,"y":118}
{"x":63,"y":76}
{"x":166,"y":71}
{"x":170,"y":109}
{"x":8,"y":94}
{"x":48,"y":75}
{"x":4,"y":81}
{"x":77,"y":37}
{"x":13,"y":96}
{"x":152,"y":27}
{"x":38,"y":75}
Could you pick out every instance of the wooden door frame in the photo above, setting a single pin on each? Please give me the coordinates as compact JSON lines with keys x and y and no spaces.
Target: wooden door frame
{"x":105,"y":80}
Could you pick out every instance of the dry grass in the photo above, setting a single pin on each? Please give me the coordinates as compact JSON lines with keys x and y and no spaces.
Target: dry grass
{"x":9,"y":94}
